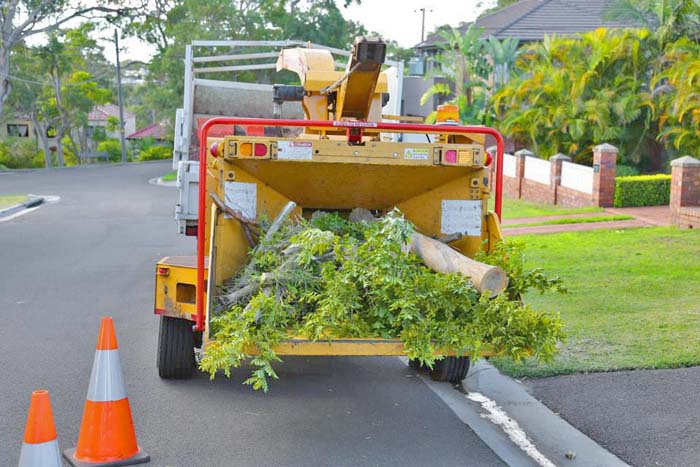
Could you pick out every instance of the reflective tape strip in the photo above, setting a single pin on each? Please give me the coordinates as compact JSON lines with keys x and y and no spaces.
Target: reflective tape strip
{"x":106,"y":380}
{"x":40,"y":455}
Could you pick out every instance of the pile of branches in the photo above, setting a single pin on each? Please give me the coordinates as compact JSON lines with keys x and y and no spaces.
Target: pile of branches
{"x":329,"y":277}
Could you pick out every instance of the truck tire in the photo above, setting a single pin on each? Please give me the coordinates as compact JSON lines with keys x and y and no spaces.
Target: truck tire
{"x":452,"y":369}
{"x":175,"y":348}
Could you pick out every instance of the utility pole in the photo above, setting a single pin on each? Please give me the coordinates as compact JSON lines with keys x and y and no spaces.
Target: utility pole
{"x":122,"y":137}
{"x":422,"y":24}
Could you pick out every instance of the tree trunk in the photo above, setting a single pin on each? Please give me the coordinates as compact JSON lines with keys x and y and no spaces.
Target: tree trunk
{"x":4,"y":75}
{"x":41,"y":130}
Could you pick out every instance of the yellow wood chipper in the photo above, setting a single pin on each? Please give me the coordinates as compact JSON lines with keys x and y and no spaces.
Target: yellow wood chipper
{"x":342,"y":156}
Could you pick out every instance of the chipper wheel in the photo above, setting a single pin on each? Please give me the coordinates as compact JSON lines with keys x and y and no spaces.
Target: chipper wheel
{"x":176,"y":342}
{"x":452,"y":369}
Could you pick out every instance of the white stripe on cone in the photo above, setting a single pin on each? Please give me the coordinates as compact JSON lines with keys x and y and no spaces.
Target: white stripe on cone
{"x":106,"y":380}
{"x":40,"y":455}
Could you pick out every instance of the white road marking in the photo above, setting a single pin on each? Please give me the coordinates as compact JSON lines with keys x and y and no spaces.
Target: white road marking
{"x":501,"y":418}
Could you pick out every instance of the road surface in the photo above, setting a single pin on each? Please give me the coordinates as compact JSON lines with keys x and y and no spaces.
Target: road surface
{"x":93,"y":254}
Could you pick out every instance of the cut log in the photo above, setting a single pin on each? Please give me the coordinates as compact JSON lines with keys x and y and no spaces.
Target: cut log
{"x":441,"y":258}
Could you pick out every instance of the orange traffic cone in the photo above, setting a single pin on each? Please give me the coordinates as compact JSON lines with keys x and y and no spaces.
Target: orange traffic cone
{"x":40,"y":446}
{"x":107,"y":436}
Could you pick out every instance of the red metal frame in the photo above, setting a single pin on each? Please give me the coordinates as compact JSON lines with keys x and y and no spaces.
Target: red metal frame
{"x":393,"y":127}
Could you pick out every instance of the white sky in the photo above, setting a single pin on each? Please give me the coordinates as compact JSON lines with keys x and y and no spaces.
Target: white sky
{"x":398,"y":20}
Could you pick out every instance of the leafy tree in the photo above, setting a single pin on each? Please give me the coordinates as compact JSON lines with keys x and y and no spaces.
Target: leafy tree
{"x":574,"y":93}
{"x":21,"y":19}
{"x":473,"y":67}
{"x":669,"y":19}
{"x":679,"y":103}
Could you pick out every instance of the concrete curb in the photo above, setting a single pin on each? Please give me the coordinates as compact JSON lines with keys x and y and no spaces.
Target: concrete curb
{"x":159,"y":181}
{"x":30,"y":203}
{"x":553,"y":437}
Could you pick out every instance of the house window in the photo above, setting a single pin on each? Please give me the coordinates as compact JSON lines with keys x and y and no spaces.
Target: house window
{"x":18,"y":130}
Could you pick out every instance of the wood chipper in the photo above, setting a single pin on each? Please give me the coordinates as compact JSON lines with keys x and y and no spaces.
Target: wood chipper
{"x":344,"y":155}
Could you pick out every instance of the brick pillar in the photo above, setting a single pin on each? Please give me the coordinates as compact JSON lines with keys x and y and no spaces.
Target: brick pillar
{"x":604,"y":168}
{"x":555,"y":178}
{"x":685,"y":185}
{"x":520,"y":168}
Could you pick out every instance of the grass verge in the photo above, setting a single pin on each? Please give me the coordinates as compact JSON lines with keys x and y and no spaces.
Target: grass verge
{"x":170,"y":176}
{"x":574,"y":220}
{"x":10,"y":200}
{"x":633,"y":301}
{"x":516,"y":208}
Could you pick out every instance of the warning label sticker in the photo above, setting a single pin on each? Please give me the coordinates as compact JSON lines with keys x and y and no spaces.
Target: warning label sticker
{"x":241,"y":197}
{"x":294,"y":150}
{"x":416,"y":154}
{"x":460,"y":216}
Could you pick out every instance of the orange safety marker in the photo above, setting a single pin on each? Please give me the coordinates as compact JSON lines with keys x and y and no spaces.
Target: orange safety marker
{"x":107,"y":436}
{"x":40,"y":445}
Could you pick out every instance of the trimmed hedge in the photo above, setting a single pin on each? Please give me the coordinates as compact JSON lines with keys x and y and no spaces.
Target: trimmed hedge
{"x":642,"y":190}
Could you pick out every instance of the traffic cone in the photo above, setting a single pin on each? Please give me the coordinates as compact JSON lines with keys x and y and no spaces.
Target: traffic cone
{"x":40,"y":446}
{"x":107,"y":436}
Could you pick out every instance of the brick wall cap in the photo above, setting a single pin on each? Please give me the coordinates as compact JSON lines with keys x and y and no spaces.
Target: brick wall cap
{"x":605,"y":147}
{"x":524,"y":153}
{"x":685,"y":161}
{"x":560,"y":157}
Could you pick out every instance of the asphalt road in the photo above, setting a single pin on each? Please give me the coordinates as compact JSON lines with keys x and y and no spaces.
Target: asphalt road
{"x":92,"y":254}
{"x":647,"y":418}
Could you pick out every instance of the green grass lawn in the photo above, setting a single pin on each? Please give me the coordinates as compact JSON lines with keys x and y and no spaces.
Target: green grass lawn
{"x":516,"y":208}
{"x":170,"y":176}
{"x":11,"y":200}
{"x":633,"y":301}
{"x":575,"y":220}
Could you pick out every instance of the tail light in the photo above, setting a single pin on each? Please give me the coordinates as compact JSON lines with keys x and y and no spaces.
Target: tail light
{"x":163,"y":271}
{"x":489,"y":159}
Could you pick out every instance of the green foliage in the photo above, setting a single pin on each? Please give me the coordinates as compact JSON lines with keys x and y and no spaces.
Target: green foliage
{"x":642,"y":190}
{"x":355,"y":280}
{"x":574,"y":93}
{"x":473,"y":68}
{"x":113,"y":148}
{"x":19,"y":153}
{"x":156,"y":152}
{"x":626,"y":170}
{"x":679,"y":96}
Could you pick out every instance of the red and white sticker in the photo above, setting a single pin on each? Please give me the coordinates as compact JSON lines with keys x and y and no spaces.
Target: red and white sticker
{"x":294,"y":150}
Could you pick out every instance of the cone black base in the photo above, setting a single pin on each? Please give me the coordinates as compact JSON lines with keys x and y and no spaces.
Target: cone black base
{"x":140,"y":458}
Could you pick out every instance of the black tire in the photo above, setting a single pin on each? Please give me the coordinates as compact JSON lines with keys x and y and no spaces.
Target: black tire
{"x":415,"y":365}
{"x":175,"y":348}
{"x":452,"y":369}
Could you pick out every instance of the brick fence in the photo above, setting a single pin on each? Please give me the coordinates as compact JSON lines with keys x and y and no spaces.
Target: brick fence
{"x":685,"y":192}
{"x":558,"y":180}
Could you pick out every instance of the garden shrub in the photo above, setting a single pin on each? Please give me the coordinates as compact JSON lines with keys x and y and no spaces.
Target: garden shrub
{"x":642,"y":190}
{"x":626,"y":170}
{"x":113,"y":148}
{"x":157,"y":152}
{"x":19,"y":153}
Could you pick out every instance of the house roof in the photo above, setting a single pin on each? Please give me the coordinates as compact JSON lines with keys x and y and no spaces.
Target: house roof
{"x":530,"y":20}
{"x":100,"y":113}
{"x":155,"y":130}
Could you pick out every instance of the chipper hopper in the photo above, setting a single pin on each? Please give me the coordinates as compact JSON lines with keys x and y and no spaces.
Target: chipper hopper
{"x":342,"y":157}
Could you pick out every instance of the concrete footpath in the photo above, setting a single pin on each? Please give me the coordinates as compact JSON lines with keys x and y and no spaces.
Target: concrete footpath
{"x":642,"y":217}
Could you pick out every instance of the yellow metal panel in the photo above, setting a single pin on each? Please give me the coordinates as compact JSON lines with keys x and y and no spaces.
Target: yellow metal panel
{"x":181,"y":270}
{"x":348,"y":347}
{"x":494,"y":229}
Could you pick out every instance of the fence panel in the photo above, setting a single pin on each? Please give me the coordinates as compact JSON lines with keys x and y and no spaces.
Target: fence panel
{"x":577,"y":177}
{"x":537,"y":170}
{"x":509,"y":165}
